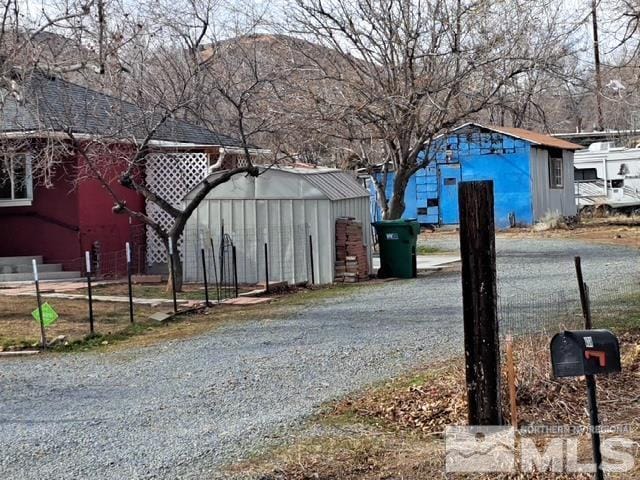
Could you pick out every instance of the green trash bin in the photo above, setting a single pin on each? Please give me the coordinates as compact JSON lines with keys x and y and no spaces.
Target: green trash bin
{"x":397,"y":240}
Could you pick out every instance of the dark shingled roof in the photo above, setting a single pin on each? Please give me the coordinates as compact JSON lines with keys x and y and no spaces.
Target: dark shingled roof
{"x":53,"y":104}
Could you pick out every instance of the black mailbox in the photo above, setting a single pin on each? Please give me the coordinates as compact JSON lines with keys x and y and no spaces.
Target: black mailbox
{"x":584,"y":352}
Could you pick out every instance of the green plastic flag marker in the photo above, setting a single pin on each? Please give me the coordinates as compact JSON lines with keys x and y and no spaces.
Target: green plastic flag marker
{"x":49,"y":315}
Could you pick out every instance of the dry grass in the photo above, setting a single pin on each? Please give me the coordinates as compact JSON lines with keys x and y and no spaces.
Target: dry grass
{"x":550,"y":221}
{"x":19,"y":330}
{"x":395,"y":430}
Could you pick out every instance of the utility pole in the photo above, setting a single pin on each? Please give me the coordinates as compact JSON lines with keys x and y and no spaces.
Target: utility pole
{"x":596,"y":55}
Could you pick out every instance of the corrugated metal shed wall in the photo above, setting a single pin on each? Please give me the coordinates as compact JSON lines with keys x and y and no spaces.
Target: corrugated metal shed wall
{"x":546,"y":199}
{"x":284,"y":223}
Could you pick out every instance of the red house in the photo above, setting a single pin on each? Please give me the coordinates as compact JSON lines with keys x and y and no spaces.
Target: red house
{"x":50,"y":205}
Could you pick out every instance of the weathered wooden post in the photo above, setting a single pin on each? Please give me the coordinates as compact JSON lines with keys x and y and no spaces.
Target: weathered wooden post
{"x":479,"y":299}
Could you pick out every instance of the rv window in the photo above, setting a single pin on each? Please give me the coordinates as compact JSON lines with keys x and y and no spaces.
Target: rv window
{"x":616,"y":183}
{"x":555,"y":173}
{"x":581,"y":174}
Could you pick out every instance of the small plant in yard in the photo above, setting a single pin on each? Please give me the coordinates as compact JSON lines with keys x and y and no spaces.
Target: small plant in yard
{"x":551,"y":221}
{"x":428,"y":250}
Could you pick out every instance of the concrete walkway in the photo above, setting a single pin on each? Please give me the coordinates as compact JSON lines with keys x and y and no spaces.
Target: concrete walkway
{"x":427,"y":262}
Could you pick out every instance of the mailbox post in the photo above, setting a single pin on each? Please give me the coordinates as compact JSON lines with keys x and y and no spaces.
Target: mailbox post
{"x":587,"y":353}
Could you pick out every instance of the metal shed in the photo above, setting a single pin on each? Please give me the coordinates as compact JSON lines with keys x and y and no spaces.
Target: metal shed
{"x":285,"y":207}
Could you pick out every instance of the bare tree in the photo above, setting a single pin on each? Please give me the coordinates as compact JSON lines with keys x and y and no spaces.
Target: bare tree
{"x":405,"y":72}
{"x":148,"y":59}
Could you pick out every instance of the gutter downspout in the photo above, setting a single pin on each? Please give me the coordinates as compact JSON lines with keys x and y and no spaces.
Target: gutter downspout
{"x":221,"y":156}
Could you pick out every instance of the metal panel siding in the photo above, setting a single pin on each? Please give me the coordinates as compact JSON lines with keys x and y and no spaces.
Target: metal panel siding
{"x":250,"y":222}
{"x":285,"y":208}
{"x":336,"y":185}
{"x":545,"y":198}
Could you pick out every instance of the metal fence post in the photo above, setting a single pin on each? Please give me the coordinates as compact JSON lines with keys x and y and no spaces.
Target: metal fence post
{"x":215,"y":269}
{"x":130,"y":287}
{"x":43,"y":336}
{"x":313,"y":276}
{"x":592,"y":400}
{"x":266,"y":268}
{"x":87,"y":257}
{"x":235,"y":270}
{"x":204,"y":275}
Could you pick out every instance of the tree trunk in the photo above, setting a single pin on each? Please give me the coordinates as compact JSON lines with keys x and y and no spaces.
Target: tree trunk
{"x":397,"y":206}
{"x":176,"y":265}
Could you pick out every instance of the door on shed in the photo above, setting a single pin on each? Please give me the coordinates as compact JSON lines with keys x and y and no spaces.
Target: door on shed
{"x":449,"y":177}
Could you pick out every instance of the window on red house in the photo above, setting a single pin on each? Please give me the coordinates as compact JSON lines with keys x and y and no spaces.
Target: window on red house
{"x":15,"y":180}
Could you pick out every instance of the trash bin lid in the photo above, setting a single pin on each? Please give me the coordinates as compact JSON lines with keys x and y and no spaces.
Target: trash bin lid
{"x":392,"y":223}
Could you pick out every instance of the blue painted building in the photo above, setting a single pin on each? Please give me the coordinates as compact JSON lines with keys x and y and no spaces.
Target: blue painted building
{"x":532,"y":175}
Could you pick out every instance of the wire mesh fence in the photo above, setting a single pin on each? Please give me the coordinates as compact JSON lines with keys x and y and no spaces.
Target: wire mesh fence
{"x":531,"y":313}
{"x":107,"y":265}
{"x":283,"y":250}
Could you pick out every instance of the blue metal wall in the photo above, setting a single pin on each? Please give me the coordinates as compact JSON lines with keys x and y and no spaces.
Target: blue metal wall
{"x":431,"y":195}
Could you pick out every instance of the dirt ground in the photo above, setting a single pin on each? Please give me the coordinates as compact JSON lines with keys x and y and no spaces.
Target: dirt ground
{"x":621,"y":231}
{"x":396,"y":430}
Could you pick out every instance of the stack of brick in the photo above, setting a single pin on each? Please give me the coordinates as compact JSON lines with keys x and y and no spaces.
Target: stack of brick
{"x":352,"y":263}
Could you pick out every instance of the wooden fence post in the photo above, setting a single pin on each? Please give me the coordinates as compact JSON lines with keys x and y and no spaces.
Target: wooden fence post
{"x":479,"y":298}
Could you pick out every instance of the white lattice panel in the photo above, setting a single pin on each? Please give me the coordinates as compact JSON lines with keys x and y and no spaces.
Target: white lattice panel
{"x":171,"y":176}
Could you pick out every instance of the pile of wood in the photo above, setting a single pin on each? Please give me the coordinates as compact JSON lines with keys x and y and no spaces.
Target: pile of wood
{"x":351,"y":254}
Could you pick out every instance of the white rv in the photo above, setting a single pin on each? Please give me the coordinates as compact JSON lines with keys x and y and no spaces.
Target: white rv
{"x":607,"y":177}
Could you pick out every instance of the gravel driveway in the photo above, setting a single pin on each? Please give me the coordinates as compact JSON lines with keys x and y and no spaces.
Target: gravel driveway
{"x":180,"y":410}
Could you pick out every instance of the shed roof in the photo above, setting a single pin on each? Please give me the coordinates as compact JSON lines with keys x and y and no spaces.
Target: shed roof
{"x":330,"y":183}
{"x":534,"y":138}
